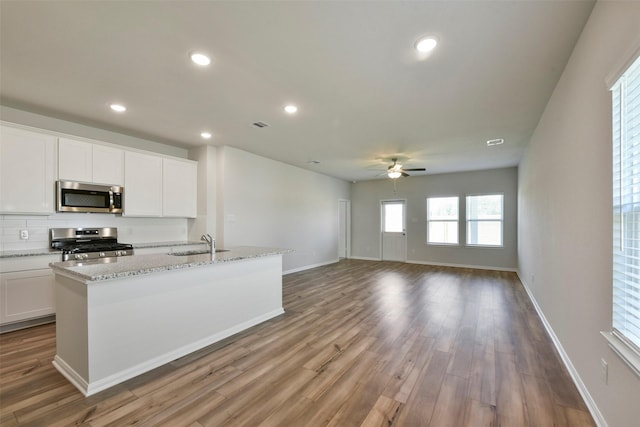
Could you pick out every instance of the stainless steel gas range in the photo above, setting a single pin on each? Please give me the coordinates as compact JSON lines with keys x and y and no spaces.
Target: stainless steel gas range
{"x":88,"y":243}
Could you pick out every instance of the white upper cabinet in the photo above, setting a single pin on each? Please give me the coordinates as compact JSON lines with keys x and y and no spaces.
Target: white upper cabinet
{"x":87,"y":162}
{"x":27,"y":172}
{"x":179,"y":188}
{"x":75,"y":160}
{"x":142,"y":184}
{"x":108,"y":165}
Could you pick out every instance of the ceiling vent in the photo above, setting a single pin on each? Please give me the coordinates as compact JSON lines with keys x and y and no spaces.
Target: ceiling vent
{"x":260,"y":124}
{"x":493,"y":142}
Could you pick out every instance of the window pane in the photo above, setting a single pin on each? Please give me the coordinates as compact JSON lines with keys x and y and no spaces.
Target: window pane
{"x":393,"y":217}
{"x":445,"y":232}
{"x":484,"y":220}
{"x":484,"y":207}
{"x":442,"y":208}
{"x":442,"y":220}
{"x":487,"y":233}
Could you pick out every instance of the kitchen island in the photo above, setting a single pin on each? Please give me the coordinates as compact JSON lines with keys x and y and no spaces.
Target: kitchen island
{"x":116,"y":320}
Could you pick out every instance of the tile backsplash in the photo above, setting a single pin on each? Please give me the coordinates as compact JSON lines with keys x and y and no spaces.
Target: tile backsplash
{"x":130,"y":230}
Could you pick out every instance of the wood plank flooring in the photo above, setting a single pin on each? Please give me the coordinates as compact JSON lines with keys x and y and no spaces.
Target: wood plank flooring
{"x":361,"y":344}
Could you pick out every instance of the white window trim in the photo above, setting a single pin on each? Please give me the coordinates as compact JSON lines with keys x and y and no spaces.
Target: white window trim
{"x":467,"y":220}
{"x":627,"y":353}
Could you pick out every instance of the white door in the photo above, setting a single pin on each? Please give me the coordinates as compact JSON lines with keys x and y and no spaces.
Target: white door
{"x":394,"y":238}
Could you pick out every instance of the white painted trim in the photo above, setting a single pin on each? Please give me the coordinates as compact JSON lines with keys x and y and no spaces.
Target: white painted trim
{"x":309,"y":267}
{"x":70,"y":374}
{"x":623,"y":351}
{"x":476,"y":267}
{"x":364,"y":258}
{"x":119,"y":377}
{"x":582,"y":388}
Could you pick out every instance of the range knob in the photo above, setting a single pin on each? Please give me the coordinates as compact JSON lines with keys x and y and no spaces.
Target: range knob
{"x":78,"y":256}
{"x":102,"y":254}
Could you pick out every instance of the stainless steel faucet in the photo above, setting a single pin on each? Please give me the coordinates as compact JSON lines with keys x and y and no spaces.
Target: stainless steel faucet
{"x":211,"y":242}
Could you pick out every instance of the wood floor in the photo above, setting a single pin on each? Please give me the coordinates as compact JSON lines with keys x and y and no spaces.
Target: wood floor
{"x":361,"y":344}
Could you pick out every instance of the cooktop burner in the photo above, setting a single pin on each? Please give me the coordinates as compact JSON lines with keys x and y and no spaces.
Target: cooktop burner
{"x":88,"y":243}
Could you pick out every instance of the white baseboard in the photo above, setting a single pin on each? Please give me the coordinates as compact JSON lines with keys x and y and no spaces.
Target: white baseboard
{"x":582,"y":389}
{"x":477,"y":267}
{"x":364,"y":258}
{"x":309,"y":267}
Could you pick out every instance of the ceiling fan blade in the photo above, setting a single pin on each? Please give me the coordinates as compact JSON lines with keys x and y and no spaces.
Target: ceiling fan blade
{"x":404,"y":174}
{"x":414,"y":169}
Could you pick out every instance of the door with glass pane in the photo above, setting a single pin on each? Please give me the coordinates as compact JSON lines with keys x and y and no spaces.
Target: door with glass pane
{"x":394,"y":236}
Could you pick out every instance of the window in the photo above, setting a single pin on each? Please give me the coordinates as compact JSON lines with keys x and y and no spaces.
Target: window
{"x":393,"y":217}
{"x":442,"y":220}
{"x":484,"y":220}
{"x":626,"y":211}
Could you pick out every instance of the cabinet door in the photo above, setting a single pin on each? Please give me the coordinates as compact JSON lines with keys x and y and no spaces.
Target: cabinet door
{"x":27,"y":172}
{"x":26,"y":295}
{"x":75,"y":160}
{"x":142,"y":184}
{"x":108,"y":165}
{"x":179,"y":188}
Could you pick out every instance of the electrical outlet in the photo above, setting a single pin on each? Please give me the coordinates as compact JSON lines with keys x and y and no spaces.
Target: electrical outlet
{"x":24,"y":234}
{"x":604,"y":368}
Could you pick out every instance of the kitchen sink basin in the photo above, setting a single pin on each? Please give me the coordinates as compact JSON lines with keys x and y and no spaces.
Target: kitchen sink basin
{"x":196,"y":252}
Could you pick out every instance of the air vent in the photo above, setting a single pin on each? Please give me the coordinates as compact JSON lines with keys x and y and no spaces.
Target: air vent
{"x":260,"y":124}
{"x":492,"y":142}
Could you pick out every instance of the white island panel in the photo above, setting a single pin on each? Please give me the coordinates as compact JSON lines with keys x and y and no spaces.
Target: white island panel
{"x":112,"y":330}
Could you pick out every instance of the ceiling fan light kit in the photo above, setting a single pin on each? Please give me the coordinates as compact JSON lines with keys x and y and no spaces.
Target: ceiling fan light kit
{"x":396,"y":170}
{"x":394,"y":174}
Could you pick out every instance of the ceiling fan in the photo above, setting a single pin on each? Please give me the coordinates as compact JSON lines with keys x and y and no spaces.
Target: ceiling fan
{"x":396,"y":170}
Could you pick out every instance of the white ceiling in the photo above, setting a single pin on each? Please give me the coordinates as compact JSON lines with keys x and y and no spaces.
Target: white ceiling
{"x":350,"y":66}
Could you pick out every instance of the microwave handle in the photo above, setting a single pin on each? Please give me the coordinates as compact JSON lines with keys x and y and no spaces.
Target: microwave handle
{"x":111,"y":200}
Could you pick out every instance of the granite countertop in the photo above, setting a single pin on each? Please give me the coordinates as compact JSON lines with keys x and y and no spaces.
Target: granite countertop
{"x":29,"y":252}
{"x":49,"y":251}
{"x":164,"y":244}
{"x":128,"y":266}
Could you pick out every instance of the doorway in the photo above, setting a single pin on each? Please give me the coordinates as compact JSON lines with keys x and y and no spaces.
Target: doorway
{"x":393,"y":230}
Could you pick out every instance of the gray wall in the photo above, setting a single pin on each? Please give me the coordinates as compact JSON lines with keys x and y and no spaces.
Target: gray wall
{"x":565,"y":210}
{"x":365,"y":208}
{"x":263,"y":202}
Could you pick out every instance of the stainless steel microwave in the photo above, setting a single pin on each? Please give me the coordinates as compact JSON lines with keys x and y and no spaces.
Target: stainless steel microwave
{"x":81,"y":197}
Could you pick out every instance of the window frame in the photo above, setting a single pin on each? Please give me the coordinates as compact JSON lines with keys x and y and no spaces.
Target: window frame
{"x":457,"y":221}
{"x":623,"y":345}
{"x":468,"y":221}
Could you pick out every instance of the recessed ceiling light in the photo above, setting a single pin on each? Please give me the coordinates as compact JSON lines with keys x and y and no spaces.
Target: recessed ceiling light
{"x":206,"y":135}
{"x":118,"y":108}
{"x":291,"y":109}
{"x":426,"y":44}
{"x":200,"y":58}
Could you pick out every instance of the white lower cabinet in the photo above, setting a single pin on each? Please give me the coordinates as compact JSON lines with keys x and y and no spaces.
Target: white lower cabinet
{"x":26,"y":295}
